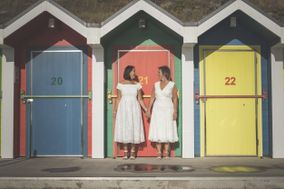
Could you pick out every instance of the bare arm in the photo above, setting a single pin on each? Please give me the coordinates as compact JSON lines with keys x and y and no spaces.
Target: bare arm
{"x":152,"y":99}
{"x":175,"y":102}
{"x":116,"y":102}
{"x":141,"y":101}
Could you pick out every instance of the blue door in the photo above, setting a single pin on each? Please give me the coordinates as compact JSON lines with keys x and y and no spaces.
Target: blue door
{"x":55,"y":104}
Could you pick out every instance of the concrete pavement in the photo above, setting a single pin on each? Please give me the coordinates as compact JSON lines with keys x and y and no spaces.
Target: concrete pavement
{"x":142,"y":173}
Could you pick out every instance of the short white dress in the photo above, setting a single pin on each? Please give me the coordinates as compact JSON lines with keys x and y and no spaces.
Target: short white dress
{"x":163,"y":128}
{"x":128,"y":122}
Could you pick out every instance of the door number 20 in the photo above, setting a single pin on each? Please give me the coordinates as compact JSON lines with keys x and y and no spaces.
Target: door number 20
{"x":56,"y":81}
{"x":230,"y":81}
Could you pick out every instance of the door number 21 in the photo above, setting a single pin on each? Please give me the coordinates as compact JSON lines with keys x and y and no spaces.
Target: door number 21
{"x":230,"y":81}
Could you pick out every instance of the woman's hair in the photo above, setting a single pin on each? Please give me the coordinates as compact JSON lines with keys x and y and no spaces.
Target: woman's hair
{"x":127,"y":70}
{"x":165,"y":71}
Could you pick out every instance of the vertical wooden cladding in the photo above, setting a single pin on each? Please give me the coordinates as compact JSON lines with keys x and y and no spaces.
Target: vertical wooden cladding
{"x":128,"y":36}
{"x":36,"y":35}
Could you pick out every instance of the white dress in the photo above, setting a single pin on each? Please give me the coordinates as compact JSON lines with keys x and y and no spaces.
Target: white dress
{"x":128,"y":122}
{"x":163,"y":128}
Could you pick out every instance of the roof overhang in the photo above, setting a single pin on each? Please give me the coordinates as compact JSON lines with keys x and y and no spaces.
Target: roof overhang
{"x":189,"y":33}
{"x":57,"y":11}
{"x":233,"y":6}
{"x":142,"y":5}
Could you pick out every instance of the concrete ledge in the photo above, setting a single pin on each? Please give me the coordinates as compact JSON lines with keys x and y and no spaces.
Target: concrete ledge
{"x":141,"y":183}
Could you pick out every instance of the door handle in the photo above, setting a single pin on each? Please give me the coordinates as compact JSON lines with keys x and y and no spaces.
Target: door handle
{"x":29,"y":100}
{"x":110,"y":96}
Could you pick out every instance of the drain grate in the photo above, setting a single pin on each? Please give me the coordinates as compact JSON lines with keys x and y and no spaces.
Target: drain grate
{"x":150,"y":168}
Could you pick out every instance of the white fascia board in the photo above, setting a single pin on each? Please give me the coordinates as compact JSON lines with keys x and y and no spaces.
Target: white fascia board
{"x":163,"y":18}
{"x":242,"y":6}
{"x":21,"y":21}
{"x":55,"y":11}
{"x":66,"y":19}
{"x":115,"y":22}
{"x":149,"y":9}
{"x":1,"y":36}
{"x":214,"y":20}
{"x":282,"y":36}
{"x":260,"y":18}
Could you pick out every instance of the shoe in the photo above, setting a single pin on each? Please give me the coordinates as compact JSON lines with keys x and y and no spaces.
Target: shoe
{"x":132,"y":155}
{"x":159,"y":155}
{"x":125,"y":157}
{"x":167,"y":155}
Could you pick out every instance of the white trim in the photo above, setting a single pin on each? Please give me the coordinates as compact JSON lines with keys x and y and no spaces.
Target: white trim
{"x":187,"y":102}
{"x":1,"y":36}
{"x":277,"y":63}
{"x":189,"y":33}
{"x":142,"y":5}
{"x":143,"y":50}
{"x":64,"y":156}
{"x":7,"y":121}
{"x":247,"y":9}
{"x":98,"y":108}
{"x":282,"y":34}
{"x":47,"y":51}
{"x":53,"y":10}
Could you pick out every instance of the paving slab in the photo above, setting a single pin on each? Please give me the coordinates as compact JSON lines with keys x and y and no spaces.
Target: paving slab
{"x":142,"y":173}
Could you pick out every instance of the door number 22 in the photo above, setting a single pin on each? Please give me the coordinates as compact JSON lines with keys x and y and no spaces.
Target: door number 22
{"x":230,"y":81}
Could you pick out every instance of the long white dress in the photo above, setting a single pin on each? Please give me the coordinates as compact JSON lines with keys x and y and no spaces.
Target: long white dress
{"x":128,"y":122}
{"x":163,"y":128}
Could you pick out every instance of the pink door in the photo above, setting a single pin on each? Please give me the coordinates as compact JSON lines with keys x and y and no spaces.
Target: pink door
{"x":146,"y":61}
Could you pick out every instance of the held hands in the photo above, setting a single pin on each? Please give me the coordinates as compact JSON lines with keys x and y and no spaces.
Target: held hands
{"x":148,"y":114}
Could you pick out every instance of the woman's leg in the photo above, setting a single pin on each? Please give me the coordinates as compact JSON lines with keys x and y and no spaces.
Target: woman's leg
{"x":125,"y":151}
{"x":133,"y":151}
{"x":167,"y":150}
{"x":159,"y":150}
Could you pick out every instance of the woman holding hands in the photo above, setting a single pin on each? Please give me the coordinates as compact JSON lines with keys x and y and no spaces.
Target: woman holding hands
{"x":164,"y":103}
{"x":129,"y":129}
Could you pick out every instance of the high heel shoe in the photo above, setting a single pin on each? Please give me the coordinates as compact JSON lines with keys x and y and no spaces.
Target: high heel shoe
{"x":159,"y":155}
{"x":132,"y":155}
{"x":125,"y":157}
{"x":167,"y":155}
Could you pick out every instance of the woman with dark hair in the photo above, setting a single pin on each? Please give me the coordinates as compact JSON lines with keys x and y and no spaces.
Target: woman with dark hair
{"x":163,"y":127}
{"x":127,"y":112}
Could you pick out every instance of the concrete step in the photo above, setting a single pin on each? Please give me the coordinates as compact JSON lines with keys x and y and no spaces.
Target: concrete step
{"x":141,"y":183}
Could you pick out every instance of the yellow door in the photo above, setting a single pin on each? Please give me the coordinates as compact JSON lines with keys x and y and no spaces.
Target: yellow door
{"x":230,"y":88}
